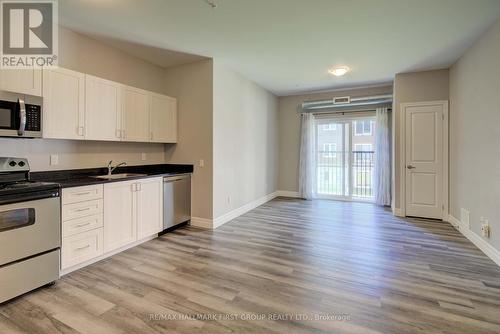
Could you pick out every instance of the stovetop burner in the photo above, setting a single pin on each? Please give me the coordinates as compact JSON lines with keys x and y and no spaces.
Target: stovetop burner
{"x":15,"y":184}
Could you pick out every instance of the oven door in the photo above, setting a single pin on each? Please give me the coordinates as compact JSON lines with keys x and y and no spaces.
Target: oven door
{"x":29,"y":228}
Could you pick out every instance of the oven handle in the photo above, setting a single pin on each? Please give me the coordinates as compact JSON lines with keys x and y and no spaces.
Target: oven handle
{"x":22,"y":116}
{"x":30,"y":197}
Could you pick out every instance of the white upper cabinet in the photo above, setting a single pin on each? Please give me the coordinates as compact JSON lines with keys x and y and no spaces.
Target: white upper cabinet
{"x":149,"y":207}
{"x":24,"y":81}
{"x":135,"y":116}
{"x":103,"y":109}
{"x":63,"y":104}
{"x":82,"y":106}
{"x":163,"y":116}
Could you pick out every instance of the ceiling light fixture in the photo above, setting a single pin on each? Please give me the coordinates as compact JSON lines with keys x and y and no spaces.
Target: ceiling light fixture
{"x":339,"y":71}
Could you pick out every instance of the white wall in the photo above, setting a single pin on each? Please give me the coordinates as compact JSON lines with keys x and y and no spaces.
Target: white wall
{"x":192,"y":85}
{"x":81,"y":53}
{"x":245,"y":141}
{"x":475,"y":134}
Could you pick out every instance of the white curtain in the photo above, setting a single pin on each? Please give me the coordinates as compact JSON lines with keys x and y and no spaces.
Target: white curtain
{"x":382,"y":170}
{"x":307,"y":170}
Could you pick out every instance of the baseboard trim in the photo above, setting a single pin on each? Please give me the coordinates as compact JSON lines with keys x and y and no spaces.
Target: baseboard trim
{"x":397,"y":212}
{"x":287,"y":193}
{"x":227,"y":217}
{"x":478,"y":241}
{"x":201,"y":222}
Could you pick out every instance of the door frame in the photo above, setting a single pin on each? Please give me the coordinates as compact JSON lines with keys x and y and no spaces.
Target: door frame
{"x":402,"y":154}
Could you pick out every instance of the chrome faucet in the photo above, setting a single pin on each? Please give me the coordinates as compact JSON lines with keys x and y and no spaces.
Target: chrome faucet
{"x":111,"y":168}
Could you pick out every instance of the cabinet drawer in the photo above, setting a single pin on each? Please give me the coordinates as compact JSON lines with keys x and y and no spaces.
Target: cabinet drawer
{"x":80,"y":194}
{"x":83,"y":209}
{"x":79,"y":225}
{"x":81,"y":247}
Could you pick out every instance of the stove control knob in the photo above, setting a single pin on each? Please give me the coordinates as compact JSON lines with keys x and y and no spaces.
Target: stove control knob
{"x":12,"y":164}
{"x":21,"y":163}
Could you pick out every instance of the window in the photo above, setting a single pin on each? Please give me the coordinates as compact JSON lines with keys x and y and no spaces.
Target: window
{"x":363,"y":128}
{"x":329,"y":150}
{"x":329,"y":127}
{"x":344,"y":162}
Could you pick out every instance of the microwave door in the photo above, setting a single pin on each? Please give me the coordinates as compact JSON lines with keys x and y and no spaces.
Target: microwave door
{"x":8,"y":119}
{"x":5,"y":118}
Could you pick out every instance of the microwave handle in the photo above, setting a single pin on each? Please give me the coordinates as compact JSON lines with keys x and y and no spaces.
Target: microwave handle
{"x":22,"y":116}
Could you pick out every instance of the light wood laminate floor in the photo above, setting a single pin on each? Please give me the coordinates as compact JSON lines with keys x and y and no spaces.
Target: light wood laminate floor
{"x":274,"y":270}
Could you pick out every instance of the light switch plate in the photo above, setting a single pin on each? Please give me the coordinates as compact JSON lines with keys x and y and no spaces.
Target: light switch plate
{"x":54,"y":159}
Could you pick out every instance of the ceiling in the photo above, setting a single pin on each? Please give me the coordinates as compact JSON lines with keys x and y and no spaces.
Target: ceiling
{"x":287,"y":46}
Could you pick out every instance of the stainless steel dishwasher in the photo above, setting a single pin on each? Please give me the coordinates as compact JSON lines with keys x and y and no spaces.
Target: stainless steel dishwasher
{"x":176,"y":200}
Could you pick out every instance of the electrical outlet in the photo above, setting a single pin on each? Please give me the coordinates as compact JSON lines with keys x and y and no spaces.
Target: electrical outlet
{"x":464,"y":218}
{"x":54,"y":159}
{"x":202,"y":163}
{"x":228,"y":199}
{"x":143,"y":156}
{"x":485,"y":227}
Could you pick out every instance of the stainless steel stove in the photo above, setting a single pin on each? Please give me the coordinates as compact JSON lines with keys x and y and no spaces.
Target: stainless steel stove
{"x":30,"y":236}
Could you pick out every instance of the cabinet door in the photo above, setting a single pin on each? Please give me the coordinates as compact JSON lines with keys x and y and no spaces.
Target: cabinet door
{"x":25,"y":81}
{"x":135,"y":114}
{"x":163,"y":115}
{"x":149,"y":207}
{"x":102,"y":109}
{"x":120,"y":221}
{"x":64,"y":104}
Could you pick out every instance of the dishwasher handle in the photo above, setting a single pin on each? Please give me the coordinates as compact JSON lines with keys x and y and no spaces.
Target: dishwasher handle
{"x":169,"y":179}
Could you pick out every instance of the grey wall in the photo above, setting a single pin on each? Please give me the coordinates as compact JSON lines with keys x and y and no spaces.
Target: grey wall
{"x":475,"y":133}
{"x":80,"y":53}
{"x":192,"y":85}
{"x":413,"y":87}
{"x":289,"y":130}
{"x":245,"y":141}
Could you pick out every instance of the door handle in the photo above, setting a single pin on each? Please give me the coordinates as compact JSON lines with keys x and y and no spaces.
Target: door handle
{"x":411,"y":167}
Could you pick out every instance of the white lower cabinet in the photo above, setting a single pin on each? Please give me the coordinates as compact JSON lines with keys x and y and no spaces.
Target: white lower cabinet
{"x":100,"y":220}
{"x":133,"y":210}
{"x":120,"y":225}
{"x":81,"y":247}
{"x":82,"y":225}
{"x":149,"y":207}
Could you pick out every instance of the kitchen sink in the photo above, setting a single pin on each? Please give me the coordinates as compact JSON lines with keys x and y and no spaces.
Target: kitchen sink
{"x":118,"y":176}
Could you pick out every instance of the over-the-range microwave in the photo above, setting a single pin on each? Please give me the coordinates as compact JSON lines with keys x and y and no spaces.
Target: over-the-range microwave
{"x":20,"y":115}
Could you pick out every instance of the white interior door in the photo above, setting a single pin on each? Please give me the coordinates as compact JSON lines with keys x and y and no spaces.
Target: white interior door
{"x":424,"y":167}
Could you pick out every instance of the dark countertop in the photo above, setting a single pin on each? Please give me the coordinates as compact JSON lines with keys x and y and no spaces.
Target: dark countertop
{"x":83,"y":177}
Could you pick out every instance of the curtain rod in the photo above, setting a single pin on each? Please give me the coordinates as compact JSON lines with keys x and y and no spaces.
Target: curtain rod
{"x":344,"y":111}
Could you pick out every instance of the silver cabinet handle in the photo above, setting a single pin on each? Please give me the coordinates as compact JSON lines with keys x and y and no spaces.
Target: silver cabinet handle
{"x":82,"y":248}
{"x":82,"y":193}
{"x":410,"y":167}
{"x":22,"y":117}
{"x":84,"y":209}
{"x":82,"y":225}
